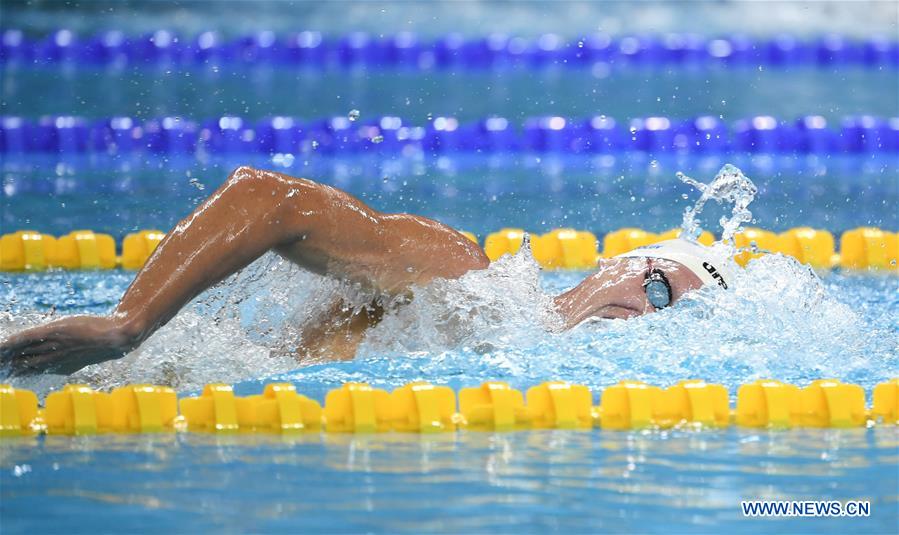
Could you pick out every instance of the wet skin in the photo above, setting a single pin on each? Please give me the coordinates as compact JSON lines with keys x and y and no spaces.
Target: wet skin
{"x":325,"y":231}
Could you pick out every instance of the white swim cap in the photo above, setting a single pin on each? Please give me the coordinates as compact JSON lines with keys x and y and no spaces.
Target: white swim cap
{"x":705,"y":262}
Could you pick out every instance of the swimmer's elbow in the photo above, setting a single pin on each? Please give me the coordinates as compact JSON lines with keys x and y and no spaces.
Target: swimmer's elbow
{"x":244,"y":171}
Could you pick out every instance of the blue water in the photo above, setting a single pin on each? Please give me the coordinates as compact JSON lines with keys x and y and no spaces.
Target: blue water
{"x":582,"y":481}
{"x":470,"y":481}
{"x":121,"y":194}
{"x":509,"y":483}
{"x":781,"y":321}
{"x":623,"y":93}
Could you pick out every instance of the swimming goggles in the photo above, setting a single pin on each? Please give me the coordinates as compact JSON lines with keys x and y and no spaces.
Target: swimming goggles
{"x":657,"y":288}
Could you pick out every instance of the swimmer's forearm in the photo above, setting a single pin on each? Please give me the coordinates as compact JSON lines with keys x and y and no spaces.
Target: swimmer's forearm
{"x":318,"y":227}
{"x":251,"y":213}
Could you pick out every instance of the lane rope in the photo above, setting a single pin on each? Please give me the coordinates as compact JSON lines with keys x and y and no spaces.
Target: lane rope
{"x":421,"y":407}
{"x":863,"y":248}
{"x":282,"y":135}
{"x":406,"y":50}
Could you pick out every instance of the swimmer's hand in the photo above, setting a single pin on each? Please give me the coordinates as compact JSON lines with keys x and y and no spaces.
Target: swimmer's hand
{"x":64,"y":346}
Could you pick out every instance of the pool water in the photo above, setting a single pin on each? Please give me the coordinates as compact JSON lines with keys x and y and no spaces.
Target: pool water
{"x":538,"y":192}
{"x":621,"y":92}
{"x":471,"y":482}
{"x":779,"y":321}
{"x":783,"y":323}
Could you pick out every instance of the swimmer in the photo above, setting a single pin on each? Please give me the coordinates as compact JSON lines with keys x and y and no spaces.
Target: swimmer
{"x":329,"y":232}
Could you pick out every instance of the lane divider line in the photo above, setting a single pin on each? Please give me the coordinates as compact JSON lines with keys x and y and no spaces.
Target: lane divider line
{"x":420,"y":407}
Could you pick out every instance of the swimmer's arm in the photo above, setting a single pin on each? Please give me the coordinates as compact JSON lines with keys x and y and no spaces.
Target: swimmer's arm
{"x":576,"y":305}
{"x":337,"y":333}
{"x":602,"y":295}
{"x":318,"y":227}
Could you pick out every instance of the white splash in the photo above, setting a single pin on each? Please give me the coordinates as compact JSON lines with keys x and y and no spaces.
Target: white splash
{"x":502,"y":306}
{"x":731,"y":186}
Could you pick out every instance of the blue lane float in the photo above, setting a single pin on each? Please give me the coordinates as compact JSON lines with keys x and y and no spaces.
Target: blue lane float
{"x":393,"y":135}
{"x":453,"y":51}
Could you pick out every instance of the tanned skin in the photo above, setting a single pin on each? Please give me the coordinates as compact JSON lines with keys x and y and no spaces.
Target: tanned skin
{"x":323,"y":230}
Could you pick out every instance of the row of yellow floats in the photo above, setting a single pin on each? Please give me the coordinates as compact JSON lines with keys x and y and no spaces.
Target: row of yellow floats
{"x":28,"y":250}
{"x":421,"y":407}
{"x":861,"y":248}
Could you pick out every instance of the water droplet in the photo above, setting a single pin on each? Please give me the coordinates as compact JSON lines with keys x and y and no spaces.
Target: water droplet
{"x":353,"y":115}
{"x":377,"y":139}
{"x":314,"y":144}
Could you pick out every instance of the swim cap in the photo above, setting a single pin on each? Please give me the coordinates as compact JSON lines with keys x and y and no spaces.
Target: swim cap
{"x":706,"y":263}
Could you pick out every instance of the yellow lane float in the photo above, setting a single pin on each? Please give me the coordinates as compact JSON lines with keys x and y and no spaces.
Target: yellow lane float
{"x":421,"y":407}
{"x":865,"y":248}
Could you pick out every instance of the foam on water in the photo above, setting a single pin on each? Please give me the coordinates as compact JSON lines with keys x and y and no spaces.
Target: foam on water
{"x":777,"y":320}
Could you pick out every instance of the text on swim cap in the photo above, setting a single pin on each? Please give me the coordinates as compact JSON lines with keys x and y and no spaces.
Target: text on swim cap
{"x":715,"y":275}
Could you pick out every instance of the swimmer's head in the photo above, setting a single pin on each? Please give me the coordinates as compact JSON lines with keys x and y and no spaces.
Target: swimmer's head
{"x":708,"y":264}
{"x":644,"y":280}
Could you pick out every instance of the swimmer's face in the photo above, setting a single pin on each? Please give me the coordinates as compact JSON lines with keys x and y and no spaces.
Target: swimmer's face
{"x":616,"y":290}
